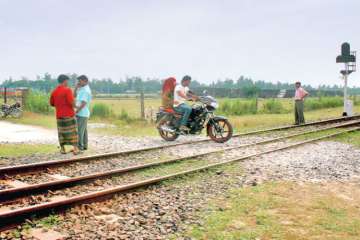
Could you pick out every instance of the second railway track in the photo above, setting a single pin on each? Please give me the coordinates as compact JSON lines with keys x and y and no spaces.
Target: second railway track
{"x":69,"y":193}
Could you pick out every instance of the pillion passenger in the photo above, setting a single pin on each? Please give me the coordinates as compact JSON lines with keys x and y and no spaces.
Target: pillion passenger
{"x":181,"y":94}
{"x":62,"y":99}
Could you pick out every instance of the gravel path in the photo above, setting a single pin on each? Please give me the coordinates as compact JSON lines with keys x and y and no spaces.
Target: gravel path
{"x":20,"y":133}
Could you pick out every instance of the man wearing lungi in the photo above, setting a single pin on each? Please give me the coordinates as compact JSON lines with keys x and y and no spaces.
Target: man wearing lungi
{"x":62,"y":99}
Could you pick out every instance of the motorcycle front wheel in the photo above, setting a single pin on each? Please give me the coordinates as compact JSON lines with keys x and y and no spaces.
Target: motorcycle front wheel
{"x":220,"y":130}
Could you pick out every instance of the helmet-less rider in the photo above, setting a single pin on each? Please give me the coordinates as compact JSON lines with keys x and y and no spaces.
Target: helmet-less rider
{"x":181,"y":94}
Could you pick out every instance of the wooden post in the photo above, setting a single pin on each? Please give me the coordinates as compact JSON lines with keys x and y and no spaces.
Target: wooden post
{"x":257,"y":102}
{"x":5,"y":98}
{"x":142,"y":104}
{"x":24,"y":94}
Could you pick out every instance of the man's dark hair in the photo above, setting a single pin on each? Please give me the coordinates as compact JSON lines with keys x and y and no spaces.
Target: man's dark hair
{"x":186,"y":78}
{"x":298,"y":83}
{"x":62,"y":78}
{"x":83,"y":77}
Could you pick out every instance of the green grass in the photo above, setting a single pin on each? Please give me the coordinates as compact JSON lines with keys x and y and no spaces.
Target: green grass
{"x":352,"y":138}
{"x":125,"y":116}
{"x":281,"y":211}
{"x":15,"y":150}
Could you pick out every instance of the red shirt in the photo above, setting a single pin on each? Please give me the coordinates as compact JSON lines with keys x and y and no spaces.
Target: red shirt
{"x":62,"y":99}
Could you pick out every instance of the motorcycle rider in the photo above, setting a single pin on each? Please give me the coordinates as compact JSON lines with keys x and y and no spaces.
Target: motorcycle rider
{"x":181,"y":94}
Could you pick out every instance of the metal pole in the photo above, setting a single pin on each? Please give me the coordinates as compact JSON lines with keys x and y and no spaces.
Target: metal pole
{"x":345,"y":88}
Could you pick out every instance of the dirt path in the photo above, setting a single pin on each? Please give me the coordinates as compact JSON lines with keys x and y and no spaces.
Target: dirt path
{"x":19,"y":133}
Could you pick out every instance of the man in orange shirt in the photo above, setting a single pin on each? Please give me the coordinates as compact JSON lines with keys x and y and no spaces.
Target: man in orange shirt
{"x":300,"y":95}
{"x":62,"y":99}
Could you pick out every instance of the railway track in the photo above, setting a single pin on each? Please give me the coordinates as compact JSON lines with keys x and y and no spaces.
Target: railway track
{"x":46,"y":164}
{"x":12,"y":195}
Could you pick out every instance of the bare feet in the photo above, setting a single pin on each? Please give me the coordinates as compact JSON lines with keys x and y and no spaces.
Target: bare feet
{"x":62,"y":150}
{"x":76,"y":150}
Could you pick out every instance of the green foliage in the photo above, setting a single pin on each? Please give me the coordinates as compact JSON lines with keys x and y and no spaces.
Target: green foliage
{"x":124,"y":115}
{"x":273,"y":106}
{"x":50,"y":221}
{"x":238,"y":107}
{"x":101,"y":110}
{"x":322,"y":102}
{"x":251,"y":91}
{"x":38,"y":102}
{"x":356,"y":100}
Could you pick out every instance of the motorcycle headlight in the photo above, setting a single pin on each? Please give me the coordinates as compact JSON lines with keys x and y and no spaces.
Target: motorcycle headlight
{"x":214,"y":104}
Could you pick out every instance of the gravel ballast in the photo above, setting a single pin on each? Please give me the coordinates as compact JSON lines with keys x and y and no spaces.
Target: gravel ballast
{"x":161,"y":211}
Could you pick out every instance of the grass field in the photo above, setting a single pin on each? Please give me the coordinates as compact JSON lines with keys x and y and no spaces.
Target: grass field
{"x":16,"y":150}
{"x":284,"y":210}
{"x":136,"y":127}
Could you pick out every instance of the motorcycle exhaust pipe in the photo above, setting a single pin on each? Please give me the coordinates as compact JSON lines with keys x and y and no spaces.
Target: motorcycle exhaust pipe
{"x":167,"y":129}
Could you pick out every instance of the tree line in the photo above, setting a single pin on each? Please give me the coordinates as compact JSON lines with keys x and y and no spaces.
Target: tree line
{"x":47,"y":82}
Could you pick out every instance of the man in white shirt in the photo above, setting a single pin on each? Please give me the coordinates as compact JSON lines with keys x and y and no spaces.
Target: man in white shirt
{"x":181,"y":94}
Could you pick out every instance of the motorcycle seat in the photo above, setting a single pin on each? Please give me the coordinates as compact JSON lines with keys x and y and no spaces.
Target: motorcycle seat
{"x":169,"y":110}
{"x":172,"y":111}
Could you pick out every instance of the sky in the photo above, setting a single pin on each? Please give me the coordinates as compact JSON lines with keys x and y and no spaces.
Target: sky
{"x":271,"y":40}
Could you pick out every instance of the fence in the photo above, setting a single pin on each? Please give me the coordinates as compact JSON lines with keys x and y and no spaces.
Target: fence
{"x":263,"y":93}
{"x":14,"y":94}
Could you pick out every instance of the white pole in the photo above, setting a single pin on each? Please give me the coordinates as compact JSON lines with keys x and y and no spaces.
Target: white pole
{"x":345,"y":87}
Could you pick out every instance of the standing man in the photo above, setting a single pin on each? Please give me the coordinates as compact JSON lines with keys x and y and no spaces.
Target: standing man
{"x":300,"y":95}
{"x":83,"y":98}
{"x":181,"y":94}
{"x":62,"y":99}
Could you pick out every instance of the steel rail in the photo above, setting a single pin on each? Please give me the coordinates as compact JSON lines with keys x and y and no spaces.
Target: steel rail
{"x":16,"y":192}
{"x":32,"y":166}
{"x":9,"y":216}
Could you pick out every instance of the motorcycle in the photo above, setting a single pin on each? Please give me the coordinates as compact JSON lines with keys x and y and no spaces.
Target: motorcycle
{"x":13,"y":110}
{"x":218,"y":128}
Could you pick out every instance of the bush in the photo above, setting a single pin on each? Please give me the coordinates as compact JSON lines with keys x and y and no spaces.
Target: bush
{"x":238,"y":107}
{"x":323,"y":102}
{"x":38,"y":102}
{"x":124,"y":116}
{"x":273,"y":106}
{"x":356,"y":100}
{"x":101,"y":110}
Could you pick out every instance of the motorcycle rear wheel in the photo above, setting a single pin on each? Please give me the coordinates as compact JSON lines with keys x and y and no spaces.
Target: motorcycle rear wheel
{"x":166,"y":135}
{"x":220,"y":130}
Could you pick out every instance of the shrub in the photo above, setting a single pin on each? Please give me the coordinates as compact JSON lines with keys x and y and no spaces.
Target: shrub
{"x":273,"y":106}
{"x":322,"y":102}
{"x":356,"y":100}
{"x":238,"y":107}
{"x":124,"y":116}
{"x":38,"y":102}
{"x":101,"y":110}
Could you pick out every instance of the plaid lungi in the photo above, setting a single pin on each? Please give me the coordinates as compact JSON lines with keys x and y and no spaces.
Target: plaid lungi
{"x":67,"y":131}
